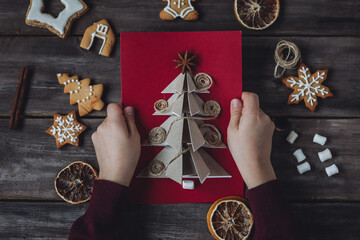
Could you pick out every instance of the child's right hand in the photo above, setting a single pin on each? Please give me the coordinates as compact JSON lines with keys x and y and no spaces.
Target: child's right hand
{"x":250,"y":134}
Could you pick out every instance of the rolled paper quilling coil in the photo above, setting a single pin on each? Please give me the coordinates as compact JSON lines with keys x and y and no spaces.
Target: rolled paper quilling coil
{"x":203,"y":81}
{"x":212,"y":108}
{"x":304,"y":167}
{"x":188,"y":184}
{"x":319,"y":139}
{"x":157,"y":135}
{"x":292,"y":137}
{"x":325,"y":155}
{"x":156,"y":167}
{"x":332,"y":170}
{"x":212,"y":137}
{"x":161,"y":105}
{"x":299,"y":155}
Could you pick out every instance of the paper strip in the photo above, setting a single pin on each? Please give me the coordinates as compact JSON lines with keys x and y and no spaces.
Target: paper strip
{"x":177,"y":85}
{"x":216,"y":170}
{"x":196,"y":137}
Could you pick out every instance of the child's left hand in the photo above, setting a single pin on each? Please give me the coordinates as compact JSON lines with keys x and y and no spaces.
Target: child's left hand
{"x":117,"y":145}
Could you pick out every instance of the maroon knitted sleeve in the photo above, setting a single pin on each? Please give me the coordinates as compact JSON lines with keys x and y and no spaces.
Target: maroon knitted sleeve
{"x":272,"y":215}
{"x":102,"y":219}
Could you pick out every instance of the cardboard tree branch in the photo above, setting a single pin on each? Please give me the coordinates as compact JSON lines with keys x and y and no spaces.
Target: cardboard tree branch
{"x":183,"y":154}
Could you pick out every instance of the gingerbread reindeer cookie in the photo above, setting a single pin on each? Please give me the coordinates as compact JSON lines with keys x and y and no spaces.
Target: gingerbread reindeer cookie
{"x":179,"y":8}
{"x":59,"y":25}
{"x":88,"y":97}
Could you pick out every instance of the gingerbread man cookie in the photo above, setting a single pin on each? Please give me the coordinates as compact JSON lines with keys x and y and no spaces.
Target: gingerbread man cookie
{"x":66,"y":129}
{"x":307,"y":87}
{"x":59,"y":25}
{"x":179,"y":8}
{"x":100,"y":30}
{"x":88,"y":97}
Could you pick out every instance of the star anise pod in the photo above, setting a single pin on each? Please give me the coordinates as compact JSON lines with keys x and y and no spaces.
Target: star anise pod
{"x":185,"y":61}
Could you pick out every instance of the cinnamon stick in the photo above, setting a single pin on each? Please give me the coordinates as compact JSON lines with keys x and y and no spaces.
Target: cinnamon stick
{"x":19,"y":98}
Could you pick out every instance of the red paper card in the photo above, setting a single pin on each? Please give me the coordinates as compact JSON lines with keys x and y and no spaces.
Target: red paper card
{"x":147,"y":67}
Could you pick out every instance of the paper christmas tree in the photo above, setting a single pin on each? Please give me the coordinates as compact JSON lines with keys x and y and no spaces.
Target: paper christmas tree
{"x":185,"y":135}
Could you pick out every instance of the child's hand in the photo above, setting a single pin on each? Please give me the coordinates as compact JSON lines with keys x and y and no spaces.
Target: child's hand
{"x":250,"y":134}
{"x":117,"y":145}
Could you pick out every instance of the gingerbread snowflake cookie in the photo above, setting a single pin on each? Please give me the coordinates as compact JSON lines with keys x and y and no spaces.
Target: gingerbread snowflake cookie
{"x":179,"y":8}
{"x":307,"y":87}
{"x":66,"y":129}
{"x":103,"y":31}
{"x":59,"y":25}
{"x":88,"y":97}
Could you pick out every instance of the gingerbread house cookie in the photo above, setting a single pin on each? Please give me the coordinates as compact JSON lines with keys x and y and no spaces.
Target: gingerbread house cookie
{"x":179,"y":8}
{"x":88,"y":97}
{"x":59,"y":25}
{"x":100,"y":30}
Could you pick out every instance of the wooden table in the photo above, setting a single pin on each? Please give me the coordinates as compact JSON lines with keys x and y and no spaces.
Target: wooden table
{"x":328,"y":34}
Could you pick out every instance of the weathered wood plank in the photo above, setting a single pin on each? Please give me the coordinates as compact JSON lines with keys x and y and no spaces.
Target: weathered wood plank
{"x":36,"y":220}
{"x":307,"y":17}
{"x":46,"y":56}
{"x":30,"y":160}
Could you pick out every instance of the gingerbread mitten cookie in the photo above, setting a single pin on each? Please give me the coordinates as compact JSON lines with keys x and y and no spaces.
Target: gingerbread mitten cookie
{"x":66,"y":129}
{"x":179,"y":8}
{"x":88,"y":97}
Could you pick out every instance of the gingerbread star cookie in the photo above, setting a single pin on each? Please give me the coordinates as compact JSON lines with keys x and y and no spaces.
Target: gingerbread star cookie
{"x":179,"y":8}
{"x":88,"y":97}
{"x":307,"y":87}
{"x":66,"y":129}
{"x":59,"y":25}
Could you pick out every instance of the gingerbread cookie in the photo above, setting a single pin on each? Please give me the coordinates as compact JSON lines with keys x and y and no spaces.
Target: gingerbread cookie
{"x":100,"y":30}
{"x":66,"y":129}
{"x":59,"y":25}
{"x":307,"y":87}
{"x":88,"y":97}
{"x":179,"y":8}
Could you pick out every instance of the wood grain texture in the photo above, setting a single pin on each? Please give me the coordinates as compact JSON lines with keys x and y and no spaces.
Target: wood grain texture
{"x":36,"y":220}
{"x":306,"y":17}
{"x":47,"y":56}
{"x":30,"y":160}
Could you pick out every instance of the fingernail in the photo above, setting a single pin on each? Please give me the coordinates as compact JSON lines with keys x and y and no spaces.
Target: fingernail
{"x":129,"y":111}
{"x":235,"y":103}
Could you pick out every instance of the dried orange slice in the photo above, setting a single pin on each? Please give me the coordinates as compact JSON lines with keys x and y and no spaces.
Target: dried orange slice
{"x":257,"y":14}
{"x":230,"y":218}
{"x":74,"y":183}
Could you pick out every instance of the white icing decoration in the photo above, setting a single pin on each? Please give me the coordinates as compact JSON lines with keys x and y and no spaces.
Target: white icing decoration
{"x":178,"y":4}
{"x":90,"y":94}
{"x":101,"y":30}
{"x":79,"y":87}
{"x":76,"y":80}
{"x":306,"y":88}
{"x":78,"y":101}
{"x":59,"y":74}
{"x":68,"y":80}
{"x":83,"y":100}
{"x":66,"y":129}
{"x":87,"y":97}
{"x":72,"y":80}
{"x":65,"y":83}
{"x":59,"y":23}
{"x":79,"y":83}
{"x":76,"y":91}
{"x":71,"y":92}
